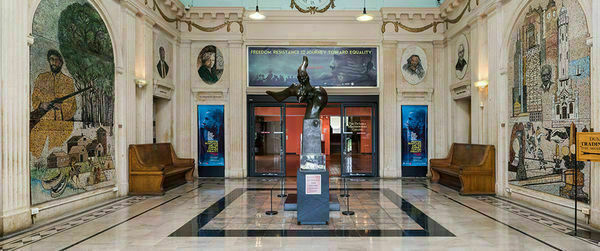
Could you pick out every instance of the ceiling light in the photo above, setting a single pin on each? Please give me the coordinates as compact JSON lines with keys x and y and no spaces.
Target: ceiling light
{"x":364,"y":17}
{"x":257,"y":15}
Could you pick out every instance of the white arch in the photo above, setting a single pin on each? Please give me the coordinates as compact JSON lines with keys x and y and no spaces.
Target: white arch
{"x":508,"y":31}
{"x":101,"y":9}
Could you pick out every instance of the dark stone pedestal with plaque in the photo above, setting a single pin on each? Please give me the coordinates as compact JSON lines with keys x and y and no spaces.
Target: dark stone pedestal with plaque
{"x":312,"y":177}
{"x":313,"y":197}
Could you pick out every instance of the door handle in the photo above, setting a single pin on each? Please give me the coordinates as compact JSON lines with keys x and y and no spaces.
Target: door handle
{"x":347,"y":132}
{"x":277,"y":132}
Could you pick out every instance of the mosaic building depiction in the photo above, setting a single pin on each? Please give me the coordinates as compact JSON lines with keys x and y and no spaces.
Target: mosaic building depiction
{"x":550,"y":90}
{"x":72,"y":101}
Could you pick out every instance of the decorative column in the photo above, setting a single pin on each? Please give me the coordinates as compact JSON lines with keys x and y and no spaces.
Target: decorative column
{"x":14,"y":117}
{"x":183,"y":101}
{"x":441,"y":102}
{"x":125,"y":95}
{"x":496,"y":108}
{"x":595,"y":99}
{"x":235,"y":167}
{"x":144,"y":70}
{"x":485,"y":108}
{"x":387,"y":118}
{"x":476,"y":117}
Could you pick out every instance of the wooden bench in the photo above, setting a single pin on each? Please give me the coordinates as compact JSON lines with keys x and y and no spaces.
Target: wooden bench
{"x":154,"y":168}
{"x":468,"y":168}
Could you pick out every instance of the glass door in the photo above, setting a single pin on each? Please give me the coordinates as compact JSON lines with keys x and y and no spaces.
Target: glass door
{"x":267,"y":140}
{"x":358,"y":140}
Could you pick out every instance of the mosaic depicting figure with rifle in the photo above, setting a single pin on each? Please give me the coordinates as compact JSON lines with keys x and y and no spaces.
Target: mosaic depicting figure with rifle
{"x":72,"y":101}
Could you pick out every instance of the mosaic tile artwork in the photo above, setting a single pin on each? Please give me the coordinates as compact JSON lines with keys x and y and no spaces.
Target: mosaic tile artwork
{"x":72,"y":101}
{"x":55,"y":228}
{"x":549,"y":79}
{"x":541,"y":218}
{"x":163,"y":58}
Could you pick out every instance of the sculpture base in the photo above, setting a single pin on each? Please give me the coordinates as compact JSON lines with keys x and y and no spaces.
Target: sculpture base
{"x":291,"y":203}
{"x":311,"y":162}
{"x":313,"y":197}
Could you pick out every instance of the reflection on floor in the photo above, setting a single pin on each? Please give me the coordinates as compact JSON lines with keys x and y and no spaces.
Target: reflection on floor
{"x":361,"y":163}
{"x":391,"y":214}
{"x":241,"y":213}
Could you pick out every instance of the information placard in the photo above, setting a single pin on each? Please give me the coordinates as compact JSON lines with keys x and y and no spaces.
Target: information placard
{"x":588,"y":146}
{"x":313,"y":184}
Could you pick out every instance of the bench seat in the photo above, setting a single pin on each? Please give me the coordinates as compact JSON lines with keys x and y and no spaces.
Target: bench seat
{"x":154,"y":168}
{"x":468,"y":168}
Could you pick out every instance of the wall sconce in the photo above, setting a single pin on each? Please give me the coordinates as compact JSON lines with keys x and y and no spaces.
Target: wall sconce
{"x":481,"y":84}
{"x":141,"y":82}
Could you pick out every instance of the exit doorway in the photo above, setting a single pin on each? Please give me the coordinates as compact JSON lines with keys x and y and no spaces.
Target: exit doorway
{"x":349,"y":136}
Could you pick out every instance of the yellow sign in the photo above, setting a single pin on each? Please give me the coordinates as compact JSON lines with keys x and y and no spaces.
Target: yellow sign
{"x":588,"y":146}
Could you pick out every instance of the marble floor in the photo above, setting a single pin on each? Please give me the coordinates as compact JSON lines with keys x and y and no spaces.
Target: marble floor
{"x":218,"y":214}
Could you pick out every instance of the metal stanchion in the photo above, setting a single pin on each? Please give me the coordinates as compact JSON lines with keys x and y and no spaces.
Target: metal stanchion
{"x":345,"y":193}
{"x":347,"y":212}
{"x":282,"y":185}
{"x":271,"y":212}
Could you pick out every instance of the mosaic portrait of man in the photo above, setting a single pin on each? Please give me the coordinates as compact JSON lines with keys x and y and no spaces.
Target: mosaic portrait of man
{"x":56,"y":122}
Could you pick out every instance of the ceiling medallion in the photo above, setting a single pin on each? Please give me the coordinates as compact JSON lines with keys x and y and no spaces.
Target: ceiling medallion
{"x":315,"y":6}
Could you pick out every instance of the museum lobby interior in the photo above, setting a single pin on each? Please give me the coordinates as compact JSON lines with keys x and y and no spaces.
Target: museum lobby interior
{"x":299,"y":125}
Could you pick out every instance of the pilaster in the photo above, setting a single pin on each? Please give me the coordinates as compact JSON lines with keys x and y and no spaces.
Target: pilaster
{"x":144,"y":70}
{"x":595,"y":85}
{"x":183,"y":99}
{"x":441,"y":102}
{"x":387,"y":119}
{"x":126,"y":90}
{"x":496,"y":107}
{"x":235,"y":168}
{"x":14,"y":117}
{"x":476,"y":102}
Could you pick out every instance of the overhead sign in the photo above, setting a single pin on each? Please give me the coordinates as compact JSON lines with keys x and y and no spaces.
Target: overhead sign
{"x":588,"y":146}
{"x":327,"y":66}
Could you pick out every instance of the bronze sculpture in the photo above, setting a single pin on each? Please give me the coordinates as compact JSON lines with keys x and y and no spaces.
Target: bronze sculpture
{"x":315,"y":97}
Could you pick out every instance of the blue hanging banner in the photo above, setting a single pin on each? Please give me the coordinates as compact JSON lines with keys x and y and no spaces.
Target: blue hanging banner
{"x":211,"y":135}
{"x":414,"y":135}
{"x":328,"y":66}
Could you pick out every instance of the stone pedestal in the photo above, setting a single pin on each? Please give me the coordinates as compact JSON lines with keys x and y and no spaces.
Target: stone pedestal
{"x":312,"y":178}
{"x":313,"y":197}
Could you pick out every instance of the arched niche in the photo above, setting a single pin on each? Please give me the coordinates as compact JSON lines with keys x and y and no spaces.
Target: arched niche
{"x":72,"y":90}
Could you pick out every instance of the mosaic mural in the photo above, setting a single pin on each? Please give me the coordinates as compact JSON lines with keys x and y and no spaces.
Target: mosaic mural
{"x":210,"y":64}
{"x":462,"y":57}
{"x":163,"y":58}
{"x":72,"y":101}
{"x":414,"y":64}
{"x":549,"y":79}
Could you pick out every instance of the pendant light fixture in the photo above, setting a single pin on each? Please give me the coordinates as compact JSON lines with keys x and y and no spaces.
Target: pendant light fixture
{"x":364,"y":17}
{"x":257,"y":15}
